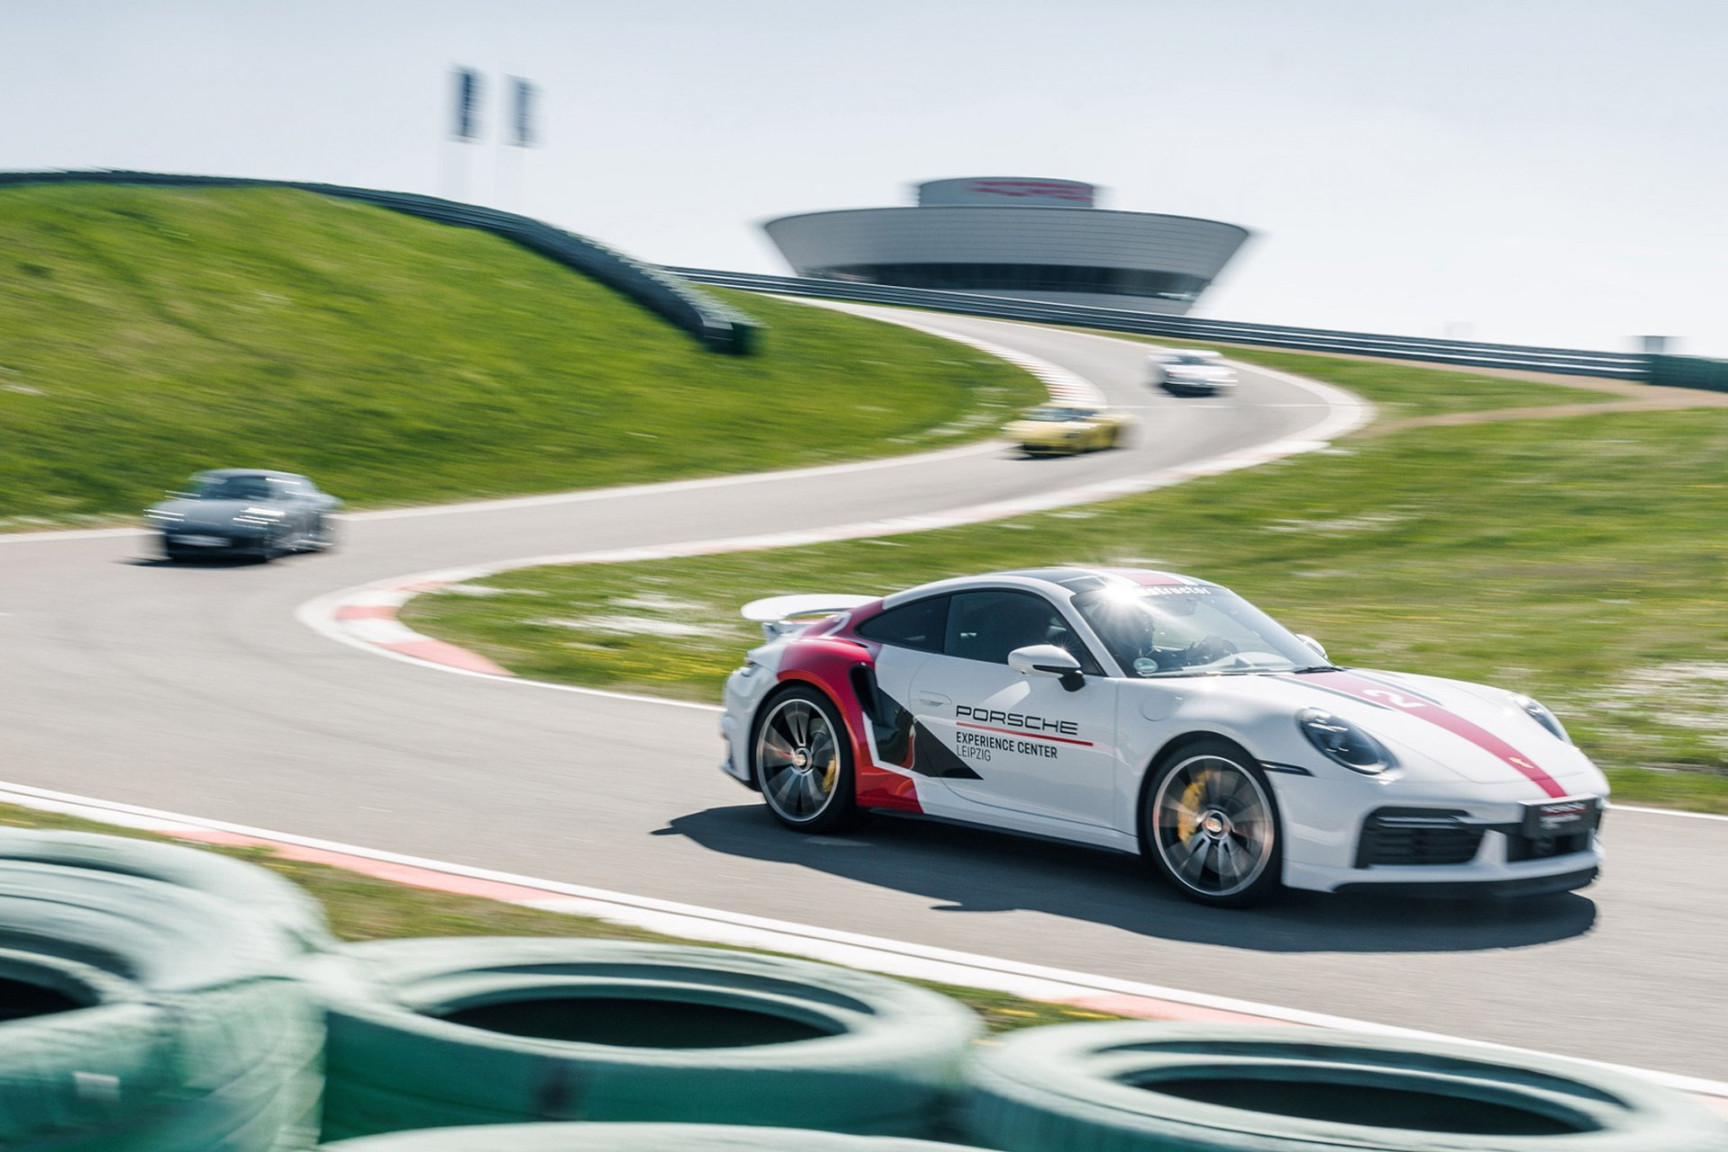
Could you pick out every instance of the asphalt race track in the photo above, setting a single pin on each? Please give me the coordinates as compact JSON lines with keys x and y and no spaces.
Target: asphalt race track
{"x":195,"y":689}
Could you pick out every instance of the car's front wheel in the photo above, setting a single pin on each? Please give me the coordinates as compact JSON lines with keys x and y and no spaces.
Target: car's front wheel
{"x":1211,"y":825}
{"x":803,"y":761}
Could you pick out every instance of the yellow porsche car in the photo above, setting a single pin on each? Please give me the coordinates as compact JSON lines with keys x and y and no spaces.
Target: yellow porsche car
{"x":1052,"y":428}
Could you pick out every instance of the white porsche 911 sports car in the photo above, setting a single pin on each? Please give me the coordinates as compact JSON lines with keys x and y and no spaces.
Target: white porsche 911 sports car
{"x":1153,"y":713}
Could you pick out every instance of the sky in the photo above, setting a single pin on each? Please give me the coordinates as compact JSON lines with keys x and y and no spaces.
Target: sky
{"x":1530,"y":171}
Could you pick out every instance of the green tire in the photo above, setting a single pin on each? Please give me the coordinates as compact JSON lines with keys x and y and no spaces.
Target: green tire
{"x":432,"y":1033}
{"x":261,"y":891}
{"x":631,"y":1138}
{"x":146,"y":1017}
{"x":1146,"y":1087}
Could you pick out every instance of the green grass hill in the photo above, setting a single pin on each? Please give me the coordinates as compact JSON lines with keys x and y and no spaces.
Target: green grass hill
{"x":146,"y":333}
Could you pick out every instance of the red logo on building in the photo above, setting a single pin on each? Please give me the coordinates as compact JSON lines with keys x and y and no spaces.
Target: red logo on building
{"x":1043,"y":189}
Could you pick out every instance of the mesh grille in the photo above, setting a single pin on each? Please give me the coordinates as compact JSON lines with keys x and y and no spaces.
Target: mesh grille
{"x":1417,"y":836}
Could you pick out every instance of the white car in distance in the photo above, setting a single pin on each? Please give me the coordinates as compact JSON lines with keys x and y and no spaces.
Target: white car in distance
{"x":1191,"y":372}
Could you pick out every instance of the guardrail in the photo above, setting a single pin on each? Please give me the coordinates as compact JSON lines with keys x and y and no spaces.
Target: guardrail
{"x":1569,"y":361}
{"x":1689,"y":372}
{"x":718,"y":326}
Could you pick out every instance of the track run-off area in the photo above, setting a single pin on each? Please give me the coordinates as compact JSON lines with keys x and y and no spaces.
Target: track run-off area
{"x":200,"y":690}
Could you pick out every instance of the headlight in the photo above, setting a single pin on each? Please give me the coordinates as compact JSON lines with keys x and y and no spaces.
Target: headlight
{"x":1343,"y":742}
{"x":1543,"y":717}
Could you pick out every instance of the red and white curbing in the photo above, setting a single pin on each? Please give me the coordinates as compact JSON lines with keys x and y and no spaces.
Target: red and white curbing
{"x":368,"y":616}
{"x":1083,"y":995}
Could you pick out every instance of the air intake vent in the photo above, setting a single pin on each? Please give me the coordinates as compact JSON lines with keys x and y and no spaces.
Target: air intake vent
{"x":1417,"y":836}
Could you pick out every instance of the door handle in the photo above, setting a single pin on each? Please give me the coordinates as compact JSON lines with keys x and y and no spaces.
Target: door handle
{"x":932,"y":698}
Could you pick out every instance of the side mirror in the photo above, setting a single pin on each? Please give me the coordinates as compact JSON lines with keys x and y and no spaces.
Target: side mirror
{"x":1048,"y":660}
{"x":1314,"y":644}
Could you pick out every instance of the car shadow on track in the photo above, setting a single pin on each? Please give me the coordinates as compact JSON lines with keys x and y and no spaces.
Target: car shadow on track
{"x":200,"y":562}
{"x":973,"y":870}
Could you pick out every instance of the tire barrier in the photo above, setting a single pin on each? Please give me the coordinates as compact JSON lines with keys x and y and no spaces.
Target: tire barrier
{"x":1139,"y":1086}
{"x":720,"y":327}
{"x":433,"y":1033}
{"x":137,"y":1016}
{"x":257,"y":889}
{"x":589,"y":1137}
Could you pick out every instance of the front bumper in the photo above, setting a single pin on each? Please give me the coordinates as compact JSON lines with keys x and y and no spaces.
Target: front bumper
{"x":213,"y":542}
{"x":1509,"y":888}
{"x":1488,"y":873}
{"x":1064,"y":445}
{"x":1197,"y":387}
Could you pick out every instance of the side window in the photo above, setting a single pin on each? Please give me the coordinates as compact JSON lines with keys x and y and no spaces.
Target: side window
{"x":989,"y":625}
{"x":916,"y":625}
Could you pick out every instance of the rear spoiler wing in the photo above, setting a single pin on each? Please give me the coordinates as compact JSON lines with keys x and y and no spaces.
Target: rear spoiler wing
{"x":781,"y":615}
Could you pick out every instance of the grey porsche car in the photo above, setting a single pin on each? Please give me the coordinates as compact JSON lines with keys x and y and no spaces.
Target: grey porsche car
{"x":245,"y":512}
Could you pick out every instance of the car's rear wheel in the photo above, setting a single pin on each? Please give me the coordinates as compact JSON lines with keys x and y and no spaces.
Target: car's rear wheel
{"x":803,"y":761}
{"x":1211,"y":825}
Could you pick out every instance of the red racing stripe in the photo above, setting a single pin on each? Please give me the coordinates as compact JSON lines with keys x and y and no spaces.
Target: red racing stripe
{"x":1146,"y":577}
{"x":1023,"y":732}
{"x":1388,"y":696}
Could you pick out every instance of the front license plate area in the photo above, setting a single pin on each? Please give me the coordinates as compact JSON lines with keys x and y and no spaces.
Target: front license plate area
{"x":1564,"y":817}
{"x":202,"y":541}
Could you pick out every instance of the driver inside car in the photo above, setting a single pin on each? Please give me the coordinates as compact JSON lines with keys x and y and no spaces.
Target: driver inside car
{"x":1131,"y":626}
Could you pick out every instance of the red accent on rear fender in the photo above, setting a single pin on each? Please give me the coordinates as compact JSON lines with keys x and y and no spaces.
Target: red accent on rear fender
{"x":826,"y":663}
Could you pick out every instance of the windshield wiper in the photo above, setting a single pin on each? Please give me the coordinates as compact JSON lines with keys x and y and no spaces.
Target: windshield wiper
{"x":1316,"y":668}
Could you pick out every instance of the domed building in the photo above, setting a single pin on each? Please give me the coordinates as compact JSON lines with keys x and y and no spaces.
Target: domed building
{"x":1015,"y":236}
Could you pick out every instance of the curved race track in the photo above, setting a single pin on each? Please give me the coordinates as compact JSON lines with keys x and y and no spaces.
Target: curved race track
{"x":195,"y":689}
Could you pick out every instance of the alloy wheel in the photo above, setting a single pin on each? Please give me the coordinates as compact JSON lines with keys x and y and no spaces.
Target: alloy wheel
{"x":797,"y":760}
{"x":1213,"y":826}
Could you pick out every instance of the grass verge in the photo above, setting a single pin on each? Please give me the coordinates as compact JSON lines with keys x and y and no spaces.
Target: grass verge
{"x":1578,"y":559}
{"x":363,"y":908}
{"x":150,"y":333}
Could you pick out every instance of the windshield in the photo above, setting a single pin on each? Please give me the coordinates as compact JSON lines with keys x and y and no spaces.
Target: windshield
{"x":1190,"y":630}
{"x":1053,"y":413}
{"x":231,"y":488}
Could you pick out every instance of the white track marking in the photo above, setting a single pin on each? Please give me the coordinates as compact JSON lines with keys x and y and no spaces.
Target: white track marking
{"x":713,"y":925}
{"x":71,"y":534}
{"x":625,"y":491}
{"x":1665,"y":812}
{"x":576,"y":496}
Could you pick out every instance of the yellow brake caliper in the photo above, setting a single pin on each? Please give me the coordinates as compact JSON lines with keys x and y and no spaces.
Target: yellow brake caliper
{"x":1188,"y":818}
